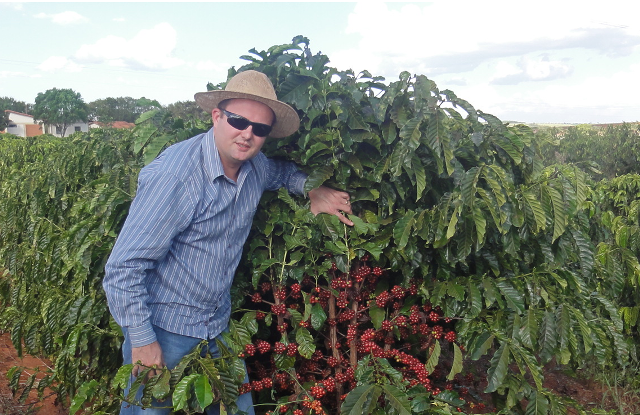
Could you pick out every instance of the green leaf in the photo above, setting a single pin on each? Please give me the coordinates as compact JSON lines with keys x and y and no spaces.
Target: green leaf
{"x":536,"y":208}
{"x":434,"y":358}
{"x":402,"y":229}
{"x":538,"y":404}
{"x":481,"y":224}
{"x":475,"y":299}
{"x":121,"y":379}
{"x":317,"y":177}
{"x":451,"y":229}
{"x":498,"y":369}
{"x":330,"y":226}
{"x":377,"y":315}
{"x":389,"y":131}
{"x":182,"y":392}
{"x":456,"y":367}
{"x":420,"y":175}
{"x":318,"y":316}
{"x":295,"y":91}
{"x":137,"y":384}
{"x":468,"y":185}
{"x":411,"y":133}
{"x":529,"y":359}
{"x":84,"y":393}
{"x":354,"y":404}
{"x":548,"y":338}
{"x":481,"y":345}
{"x":306,"y":346}
{"x":451,"y":398}
{"x":514,"y":298}
{"x":203,"y":392}
{"x":161,"y":389}
{"x":397,"y":399}
{"x":559,"y":212}
{"x":455,"y":290}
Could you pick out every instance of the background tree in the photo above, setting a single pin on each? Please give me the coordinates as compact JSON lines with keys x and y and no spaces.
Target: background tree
{"x":121,"y":109}
{"x":188,"y":110}
{"x":60,"y":107}
{"x":8,"y":103}
{"x":606,"y":151}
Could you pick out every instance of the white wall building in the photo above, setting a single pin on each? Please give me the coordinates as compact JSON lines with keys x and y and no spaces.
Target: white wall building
{"x":78,"y":126}
{"x":22,"y":125}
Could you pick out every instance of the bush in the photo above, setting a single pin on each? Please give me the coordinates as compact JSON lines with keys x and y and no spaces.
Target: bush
{"x":454,"y":207}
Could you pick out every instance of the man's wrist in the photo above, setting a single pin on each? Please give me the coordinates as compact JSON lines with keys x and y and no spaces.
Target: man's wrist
{"x":141,"y":335}
{"x":299,"y":179}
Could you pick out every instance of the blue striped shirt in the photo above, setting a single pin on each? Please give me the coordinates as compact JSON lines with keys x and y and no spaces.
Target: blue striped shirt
{"x":175,"y":258}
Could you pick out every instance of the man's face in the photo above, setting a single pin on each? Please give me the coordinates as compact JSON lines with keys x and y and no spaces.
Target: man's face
{"x":236,"y":146}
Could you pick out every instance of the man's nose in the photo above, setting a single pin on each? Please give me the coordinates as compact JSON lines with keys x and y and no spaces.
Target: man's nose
{"x":247,"y":133}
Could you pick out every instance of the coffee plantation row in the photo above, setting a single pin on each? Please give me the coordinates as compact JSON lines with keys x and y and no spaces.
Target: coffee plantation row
{"x":471,"y":264}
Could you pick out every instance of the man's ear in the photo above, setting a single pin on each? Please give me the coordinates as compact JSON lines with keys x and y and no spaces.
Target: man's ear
{"x":216,"y":113}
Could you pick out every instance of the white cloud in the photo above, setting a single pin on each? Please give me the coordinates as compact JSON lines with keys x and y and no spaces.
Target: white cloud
{"x":594,"y":99}
{"x":542,"y":69}
{"x":455,"y":37}
{"x":149,"y":49}
{"x":64,"y":18}
{"x":119,"y":19}
{"x":59,"y":63}
{"x":619,"y":90}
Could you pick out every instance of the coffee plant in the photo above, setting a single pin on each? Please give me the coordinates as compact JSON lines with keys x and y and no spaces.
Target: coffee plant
{"x":465,"y":247}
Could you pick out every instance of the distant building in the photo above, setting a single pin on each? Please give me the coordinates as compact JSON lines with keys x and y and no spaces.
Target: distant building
{"x":113,"y":124}
{"x":75,"y":127}
{"x":22,"y":125}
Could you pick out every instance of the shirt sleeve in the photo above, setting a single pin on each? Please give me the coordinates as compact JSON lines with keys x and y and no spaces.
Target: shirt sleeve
{"x":161,"y":209}
{"x":284,"y":173}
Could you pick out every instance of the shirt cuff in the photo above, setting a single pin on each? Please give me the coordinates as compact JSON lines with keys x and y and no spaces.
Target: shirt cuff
{"x":299,"y":179}
{"x":142,"y":335}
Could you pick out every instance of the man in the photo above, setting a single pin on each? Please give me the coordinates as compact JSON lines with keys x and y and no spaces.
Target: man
{"x":168,"y":277}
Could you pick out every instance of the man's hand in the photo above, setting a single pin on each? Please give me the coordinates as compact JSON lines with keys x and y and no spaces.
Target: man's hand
{"x":148,"y":355}
{"x":334,"y":202}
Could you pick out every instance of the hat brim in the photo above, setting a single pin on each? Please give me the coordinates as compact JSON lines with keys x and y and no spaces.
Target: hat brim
{"x":287,"y":120}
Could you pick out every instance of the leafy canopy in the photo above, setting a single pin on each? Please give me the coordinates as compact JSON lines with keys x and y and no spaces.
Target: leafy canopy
{"x":60,"y":107}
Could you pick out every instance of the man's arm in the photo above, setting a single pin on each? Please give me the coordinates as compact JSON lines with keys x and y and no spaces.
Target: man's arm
{"x":323,"y":199}
{"x":334,"y":202}
{"x":160,"y":210}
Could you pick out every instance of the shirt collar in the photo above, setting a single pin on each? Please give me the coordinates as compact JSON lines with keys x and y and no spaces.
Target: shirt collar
{"x":212,"y":162}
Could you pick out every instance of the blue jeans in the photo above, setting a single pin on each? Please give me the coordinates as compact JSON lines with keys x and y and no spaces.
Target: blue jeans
{"x":175,"y":347}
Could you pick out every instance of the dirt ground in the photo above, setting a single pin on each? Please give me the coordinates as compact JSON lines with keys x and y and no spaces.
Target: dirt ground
{"x":32,"y":406}
{"x":589,"y":394}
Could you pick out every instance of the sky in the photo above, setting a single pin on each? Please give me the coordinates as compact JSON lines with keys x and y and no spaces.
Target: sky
{"x":560,"y":61}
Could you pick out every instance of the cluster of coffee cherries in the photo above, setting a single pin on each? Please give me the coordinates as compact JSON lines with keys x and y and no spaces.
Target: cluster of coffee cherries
{"x":319,"y":384}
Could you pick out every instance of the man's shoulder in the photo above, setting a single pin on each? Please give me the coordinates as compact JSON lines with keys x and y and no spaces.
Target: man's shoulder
{"x":180,"y":159}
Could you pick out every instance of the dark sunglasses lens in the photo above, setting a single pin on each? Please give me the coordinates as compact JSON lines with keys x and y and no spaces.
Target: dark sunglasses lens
{"x":240,"y":123}
{"x":237,"y":122}
{"x":261,"y":130}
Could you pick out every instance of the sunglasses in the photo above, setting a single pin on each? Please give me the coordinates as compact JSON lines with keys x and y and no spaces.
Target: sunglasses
{"x":240,"y":123}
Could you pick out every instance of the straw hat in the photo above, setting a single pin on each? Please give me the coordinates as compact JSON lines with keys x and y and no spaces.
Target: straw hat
{"x":255,"y":86}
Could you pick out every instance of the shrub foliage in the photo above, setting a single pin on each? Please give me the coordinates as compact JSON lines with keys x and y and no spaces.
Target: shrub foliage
{"x":457,"y":224}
